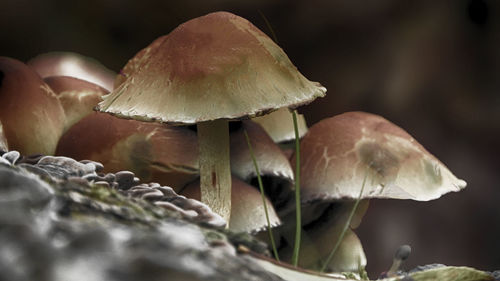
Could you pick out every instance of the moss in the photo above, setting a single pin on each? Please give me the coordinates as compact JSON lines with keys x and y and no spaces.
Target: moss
{"x":451,"y":273}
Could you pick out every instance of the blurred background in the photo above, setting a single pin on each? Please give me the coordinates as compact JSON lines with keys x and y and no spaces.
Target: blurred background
{"x":431,"y":67}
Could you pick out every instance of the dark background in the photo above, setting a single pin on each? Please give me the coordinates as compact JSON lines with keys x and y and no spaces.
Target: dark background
{"x":432,"y":67}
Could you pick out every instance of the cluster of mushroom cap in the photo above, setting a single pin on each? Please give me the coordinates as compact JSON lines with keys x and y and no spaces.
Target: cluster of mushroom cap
{"x":43,"y":98}
{"x":208,"y":71}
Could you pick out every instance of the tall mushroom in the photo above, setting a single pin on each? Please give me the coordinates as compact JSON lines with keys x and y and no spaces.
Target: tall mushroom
{"x":207,"y":71}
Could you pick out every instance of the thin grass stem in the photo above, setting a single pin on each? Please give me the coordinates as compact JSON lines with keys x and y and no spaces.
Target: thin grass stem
{"x":261,"y":187}
{"x":298,"y":220}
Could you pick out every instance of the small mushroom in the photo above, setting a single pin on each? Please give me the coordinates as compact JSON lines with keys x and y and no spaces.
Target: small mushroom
{"x":275,"y":169}
{"x":154,"y":152}
{"x":74,"y":65}
{"x":31,"y":116}
{"x":78,"y":97}
{"x":247,"y":210}
{"x":321,"y":229}
{"x":207,"y":71}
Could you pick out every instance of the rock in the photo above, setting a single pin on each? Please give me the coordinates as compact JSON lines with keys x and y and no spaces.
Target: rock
{"x":67,"y":228}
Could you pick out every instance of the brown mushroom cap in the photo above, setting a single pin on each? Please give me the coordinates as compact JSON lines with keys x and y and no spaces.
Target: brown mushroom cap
{"x":270,"y":159}
{"x":31,"y":116}
{"x":74,"y":65}
{"x":78,"y":97}
{"x":274,"y":167}
{"x":247,"y":210}
{"x":337,"y":153}
{"x":153,"y":152}
{"x":219,"y":66}
{"x":279,"y":125}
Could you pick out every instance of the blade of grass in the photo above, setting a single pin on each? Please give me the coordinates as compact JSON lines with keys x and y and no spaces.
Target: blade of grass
{"x":261,"y":187}
{"x":273,"y":35}
{"x":346,"y":226}
{"x":298,"y":220}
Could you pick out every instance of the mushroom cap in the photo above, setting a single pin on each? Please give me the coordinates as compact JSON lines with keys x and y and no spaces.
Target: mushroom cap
{"x":74,"y":65}
{"x":247,"y":210}
{"x":218,"y":66}
{"x":339,"y":152}
{"x":270,"y":159}
{"x":279,"y":125}
{"x":78,"y":97}
{"x":320,"y":236}
{"x":154,"y":152}
{"x":274,"y":167}
{"x":31,"y":116}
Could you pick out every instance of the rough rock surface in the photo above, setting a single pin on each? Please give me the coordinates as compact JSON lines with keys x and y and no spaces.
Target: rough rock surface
{"x":57,"y":224}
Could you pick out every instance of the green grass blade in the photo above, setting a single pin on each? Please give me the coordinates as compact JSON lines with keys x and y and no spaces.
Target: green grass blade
{"x":298,"y":220}
{"x":261,"y":187}
{"x":346,"y":226}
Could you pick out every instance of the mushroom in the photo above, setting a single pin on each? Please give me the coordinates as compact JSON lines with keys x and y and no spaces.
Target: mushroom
{"x":78,"y":97}
{"x":247,"y":212}
{"x":322,"y":228}
{"x":31,"y":116}
{"x":207,"y":71}
{"x":278,"y":124}
{"x":337,"y":153}
{"x":154,"y":152}
{"x":74,"y":65}
{"x":275,"y":169}
{"x":355,"y":150}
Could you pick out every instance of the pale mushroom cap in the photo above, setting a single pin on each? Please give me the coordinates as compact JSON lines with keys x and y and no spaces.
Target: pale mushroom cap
{"x":218,"y":66}
{"x":337,"y":153}
{"x":31,"y":116}
{"x":154,"y":152}
{"x":247,"y":210}
{"x":78,"y":97}
{"x":318,"y":242}
{"x":74,"y":65}
{"x":279,"y":125}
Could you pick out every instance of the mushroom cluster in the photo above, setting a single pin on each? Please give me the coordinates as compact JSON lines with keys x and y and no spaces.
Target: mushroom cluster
{"x":201,"y":89}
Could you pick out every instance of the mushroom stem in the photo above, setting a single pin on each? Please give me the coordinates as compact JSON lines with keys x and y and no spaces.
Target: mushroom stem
{"x":215,"y":173}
